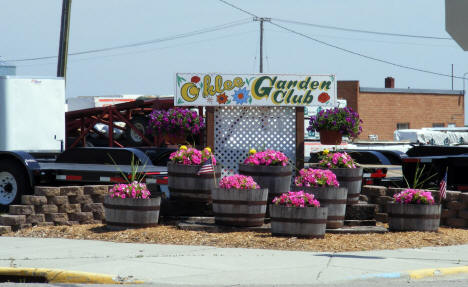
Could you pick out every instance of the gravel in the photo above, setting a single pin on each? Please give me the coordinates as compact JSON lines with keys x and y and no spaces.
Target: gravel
{"x":166,"y":234}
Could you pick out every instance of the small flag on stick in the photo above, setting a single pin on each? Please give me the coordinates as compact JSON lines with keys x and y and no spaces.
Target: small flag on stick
{"x":443,"y":185}
{"x":206,"y":168}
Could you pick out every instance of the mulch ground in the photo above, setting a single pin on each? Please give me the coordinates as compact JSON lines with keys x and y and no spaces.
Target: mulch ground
{"x":165,"y":234}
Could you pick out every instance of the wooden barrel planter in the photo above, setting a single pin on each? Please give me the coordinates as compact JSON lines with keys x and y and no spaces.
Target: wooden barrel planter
{"x":332,"y":197}
{"x":189,"y":191}
{"x":276,"y":178}
{"x":124,"y":213}
{"x":239,"y":207}
{"x":351,"y":178}
{"x":307,"y":222}
{"x":413,"y":217}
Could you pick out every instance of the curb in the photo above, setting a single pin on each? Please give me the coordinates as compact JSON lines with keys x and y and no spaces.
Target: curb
{"x":65,"y":276}
{"x":419,"y":273}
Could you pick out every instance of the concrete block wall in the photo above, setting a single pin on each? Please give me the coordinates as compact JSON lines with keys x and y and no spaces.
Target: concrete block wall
{"x":66,"y":205}
{"x":454,"y":206}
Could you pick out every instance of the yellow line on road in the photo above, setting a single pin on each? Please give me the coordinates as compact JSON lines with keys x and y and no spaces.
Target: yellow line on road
{"x":63,"y":276}
{"x":434,"y":272}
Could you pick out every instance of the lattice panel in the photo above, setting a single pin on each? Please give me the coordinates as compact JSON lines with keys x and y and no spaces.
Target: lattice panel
{"x":238,"y":129}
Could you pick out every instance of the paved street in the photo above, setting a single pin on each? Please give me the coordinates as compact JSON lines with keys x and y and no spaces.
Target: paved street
{"x":206,"y":265}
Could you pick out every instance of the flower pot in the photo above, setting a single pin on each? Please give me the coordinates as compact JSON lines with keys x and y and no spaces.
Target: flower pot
{"x":276,"y":178}
{"x":123,"y":213}
{"x":351,"y":178}
{"x":190,"y":193}
{"x":298,"y":221}
{"x":332,"y":197}
{"x":174,"y":139}
{"x":239,"y":207}
{"x":330,"y":137}
{"x":413,"y":217}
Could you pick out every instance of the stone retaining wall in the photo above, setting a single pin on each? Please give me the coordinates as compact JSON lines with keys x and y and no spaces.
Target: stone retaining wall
{"x":65,"y":205}
{"x":454,"y":206}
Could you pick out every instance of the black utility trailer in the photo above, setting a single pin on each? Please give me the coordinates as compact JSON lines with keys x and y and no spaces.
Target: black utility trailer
{"x":436,"y":160}
{"x":20,"y":171}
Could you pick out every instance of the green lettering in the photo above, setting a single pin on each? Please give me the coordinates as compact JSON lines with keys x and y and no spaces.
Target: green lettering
{"x":325,"y":85}
{"x":259,"y":92}
{"x":275,"y":96}
{"x":308,"y":98}
{"x":292,"y":84}
{"x":303,"y":84}
{"x":314,"y":85}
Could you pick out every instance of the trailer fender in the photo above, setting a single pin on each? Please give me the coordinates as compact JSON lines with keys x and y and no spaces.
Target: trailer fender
{"x":27,"y":161}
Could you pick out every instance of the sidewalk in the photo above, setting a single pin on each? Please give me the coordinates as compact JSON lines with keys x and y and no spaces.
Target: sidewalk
{"x":205,"y":265}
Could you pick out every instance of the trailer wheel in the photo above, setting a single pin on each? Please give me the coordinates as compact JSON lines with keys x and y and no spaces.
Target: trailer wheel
{"x":140,"y":123}
{"x":13,"y":183}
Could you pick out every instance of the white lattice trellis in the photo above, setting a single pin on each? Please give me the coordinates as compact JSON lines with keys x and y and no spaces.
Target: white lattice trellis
{"x":238,"y":129}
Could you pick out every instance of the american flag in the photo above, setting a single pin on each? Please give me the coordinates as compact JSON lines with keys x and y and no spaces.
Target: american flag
{"x":443,"y":185}
{"x":207,"y":167}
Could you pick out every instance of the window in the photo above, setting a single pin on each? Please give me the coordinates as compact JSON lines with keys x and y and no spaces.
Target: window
{"x":402,"y":126}
{"x":438,"y":125}
{"x":451,"y":125}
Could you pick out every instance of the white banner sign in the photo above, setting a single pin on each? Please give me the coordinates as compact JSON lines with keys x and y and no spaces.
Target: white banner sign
{"x":194,"y":89}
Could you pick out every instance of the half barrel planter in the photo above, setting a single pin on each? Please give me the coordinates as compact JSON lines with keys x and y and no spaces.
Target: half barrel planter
{"x":124,"y":213}
{"x":276,"y":178}
{"x":334,"y":198}
{"x":309,"y":222}
{"x":239,"y":207}
{"x":190,"y":192}
{"x":351,"y":178}
{"x":413,"y":217}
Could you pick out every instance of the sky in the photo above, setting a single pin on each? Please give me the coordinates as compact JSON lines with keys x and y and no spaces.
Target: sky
{"x":30,"y":29}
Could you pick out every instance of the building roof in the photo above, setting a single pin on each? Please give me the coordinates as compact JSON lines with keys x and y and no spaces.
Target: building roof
{"x":410,"y":91}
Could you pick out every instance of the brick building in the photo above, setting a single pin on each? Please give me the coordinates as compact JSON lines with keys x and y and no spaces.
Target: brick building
{"x":383,"y":110}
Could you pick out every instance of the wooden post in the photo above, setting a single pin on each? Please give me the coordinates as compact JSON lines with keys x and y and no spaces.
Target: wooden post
{"x":299,"y":137}
{"x":210,"y":127}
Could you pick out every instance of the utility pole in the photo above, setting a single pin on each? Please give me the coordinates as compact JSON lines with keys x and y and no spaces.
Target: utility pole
{"x":261,"y":19}
{"x":63,"y":47}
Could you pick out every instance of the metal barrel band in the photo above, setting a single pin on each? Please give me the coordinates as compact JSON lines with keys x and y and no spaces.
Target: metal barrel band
{"x":335,"y":218}
{"x":332,"y":201}
{"x":250,"y":223}
{"x":187,"y":199}
{"x":354,"y":178}
{"x":120,"y":224}
{"x":239,"y":202}
{"x":414,"y":216}
{"x":178,"y":174}
{"x":239,"y":215}
{"x":300,"y":236}
{"x":253,"y":173}
{"x":197,"y":191}
{"x":126,"y":207}
{"x":299,"y":220}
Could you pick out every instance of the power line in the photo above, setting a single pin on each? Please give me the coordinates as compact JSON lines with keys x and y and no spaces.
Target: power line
{"x":362,"y":31}
{"x":365,"y":56}
{"x":142,"y":51}
{"x":346,"y":50}
{"x":148,"y":42}
{"x":238,"y":8}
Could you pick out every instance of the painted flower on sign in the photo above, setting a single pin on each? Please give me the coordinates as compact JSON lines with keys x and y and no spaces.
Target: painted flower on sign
{"x":222,"y":98}
{"x":241,"y":96}
{"x":195,"y":79}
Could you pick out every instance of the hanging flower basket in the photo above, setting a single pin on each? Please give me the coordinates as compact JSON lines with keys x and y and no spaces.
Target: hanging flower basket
{"x":328,"y":137}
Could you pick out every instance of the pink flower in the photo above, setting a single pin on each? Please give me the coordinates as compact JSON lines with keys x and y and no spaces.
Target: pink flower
{"x":238,"y":181}
{"x":316,"y":178}
{"x":268,"y":157}
{"x":414,"y":196}
{"x":296,"y":199}
{"x":131,"y":190}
